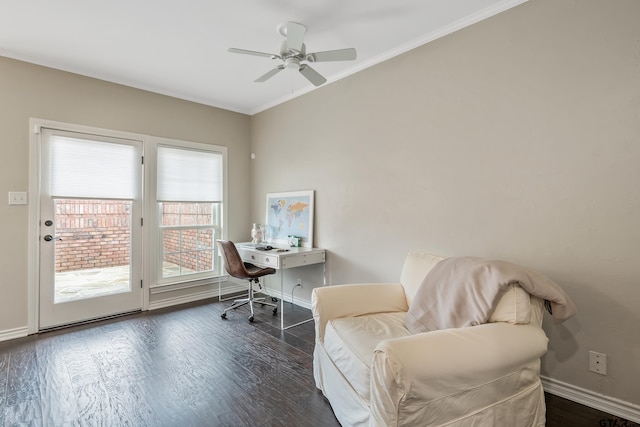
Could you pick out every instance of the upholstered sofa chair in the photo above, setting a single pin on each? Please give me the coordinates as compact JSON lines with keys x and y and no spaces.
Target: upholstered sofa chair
{"x":375,"y":370}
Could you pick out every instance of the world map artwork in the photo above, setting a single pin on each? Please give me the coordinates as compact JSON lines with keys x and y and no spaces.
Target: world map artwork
{"x":288,"y":216}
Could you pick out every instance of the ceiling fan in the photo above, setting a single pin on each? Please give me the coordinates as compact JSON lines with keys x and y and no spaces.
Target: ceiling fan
{"x":294,"y":55}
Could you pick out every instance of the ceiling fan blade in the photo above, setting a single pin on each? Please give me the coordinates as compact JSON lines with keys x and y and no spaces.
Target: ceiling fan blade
{"x":312,"y":75}
{"x":295,"y":36}
{"x":333,"y":55}
{"x":252,"y":52}
{"x":269,"y":74}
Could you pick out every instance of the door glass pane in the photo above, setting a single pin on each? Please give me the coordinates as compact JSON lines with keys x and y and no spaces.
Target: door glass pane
{"x":92,"y":253}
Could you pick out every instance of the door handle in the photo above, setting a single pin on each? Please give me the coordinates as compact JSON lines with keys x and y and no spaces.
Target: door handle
{"x":49,"y":238}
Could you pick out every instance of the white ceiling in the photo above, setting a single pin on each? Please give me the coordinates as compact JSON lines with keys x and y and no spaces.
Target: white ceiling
{"x":179,"y":48}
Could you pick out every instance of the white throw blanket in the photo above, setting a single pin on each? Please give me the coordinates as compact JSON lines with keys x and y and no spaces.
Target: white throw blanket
{"x":464,"y":291}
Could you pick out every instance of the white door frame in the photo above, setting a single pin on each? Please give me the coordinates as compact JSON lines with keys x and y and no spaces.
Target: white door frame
{"x":33,"y":277}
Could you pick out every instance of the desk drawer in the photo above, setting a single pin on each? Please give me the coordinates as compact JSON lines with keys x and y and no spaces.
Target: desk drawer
{"x":269,"y":260}
{"x":248,"y":256}
{"x":262,"y":260}
{"x":299,"y":260}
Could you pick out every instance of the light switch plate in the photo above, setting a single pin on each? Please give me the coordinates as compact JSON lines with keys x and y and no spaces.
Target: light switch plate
{"x":17,"y":198}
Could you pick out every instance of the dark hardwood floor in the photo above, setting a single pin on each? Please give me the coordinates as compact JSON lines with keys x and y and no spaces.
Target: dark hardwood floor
{"x":182,"y":366}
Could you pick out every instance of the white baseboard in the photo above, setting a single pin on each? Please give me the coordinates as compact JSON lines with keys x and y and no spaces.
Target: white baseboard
{"x":610,"y":405}
{"x":197,"y":296}
{"x":11,"y":334}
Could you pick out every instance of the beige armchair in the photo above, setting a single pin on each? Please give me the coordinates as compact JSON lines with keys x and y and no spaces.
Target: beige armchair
{"x":374,"y":372}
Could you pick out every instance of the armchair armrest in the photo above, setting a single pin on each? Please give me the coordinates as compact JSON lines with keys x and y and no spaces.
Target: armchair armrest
{"x":436,"y":368}
{"x":332,"y":302}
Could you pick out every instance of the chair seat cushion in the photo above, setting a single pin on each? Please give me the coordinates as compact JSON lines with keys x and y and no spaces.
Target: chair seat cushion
{"x":350,"y":342}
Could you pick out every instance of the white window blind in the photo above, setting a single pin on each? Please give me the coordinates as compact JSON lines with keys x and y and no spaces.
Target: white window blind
{"x":187,"y":175}
{"x":87,"y":168}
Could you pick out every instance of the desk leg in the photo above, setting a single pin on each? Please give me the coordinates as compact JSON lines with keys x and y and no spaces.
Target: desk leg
{"x":324,"y":273}
{"x":281,"y":273}
{"x":281,"y":300}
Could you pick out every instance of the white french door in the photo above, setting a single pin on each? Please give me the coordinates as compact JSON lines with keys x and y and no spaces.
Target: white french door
{"x":90,"y":227}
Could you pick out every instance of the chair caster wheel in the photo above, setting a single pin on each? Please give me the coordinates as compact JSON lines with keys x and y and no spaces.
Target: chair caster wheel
{"x":251,"y":319}
{"x":275,"y":311}
{"x":223,"y":315}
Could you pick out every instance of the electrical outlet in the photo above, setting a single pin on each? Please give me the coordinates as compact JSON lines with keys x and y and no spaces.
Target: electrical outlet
{"x":598,"y":362}
{"x":299,"y":283}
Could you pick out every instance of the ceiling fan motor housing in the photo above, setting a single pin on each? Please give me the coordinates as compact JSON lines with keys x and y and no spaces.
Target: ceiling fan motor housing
{"x":292,"y":57}
{"x":285,"y":52}
{"x":293,"y":52}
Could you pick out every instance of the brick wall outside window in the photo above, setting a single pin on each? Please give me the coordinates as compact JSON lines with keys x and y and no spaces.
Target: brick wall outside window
{"x":95,"y":234}
{"x":190,"y":248}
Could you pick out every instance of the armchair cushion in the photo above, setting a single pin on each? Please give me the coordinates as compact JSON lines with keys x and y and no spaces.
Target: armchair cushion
{"x":464,"y":291}
{"x":513,"y":307}
{"x":350,"y":342}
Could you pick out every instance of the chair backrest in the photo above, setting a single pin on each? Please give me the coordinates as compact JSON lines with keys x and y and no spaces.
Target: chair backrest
{"x":232,"y":261}
{"x":415,"y":269}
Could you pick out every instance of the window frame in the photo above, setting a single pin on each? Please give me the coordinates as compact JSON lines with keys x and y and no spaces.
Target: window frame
{"x":214,"y":226}
{"x":154,"y":231}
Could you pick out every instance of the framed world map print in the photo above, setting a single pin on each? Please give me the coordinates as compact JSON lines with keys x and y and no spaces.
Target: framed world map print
{"x":290,"y":214}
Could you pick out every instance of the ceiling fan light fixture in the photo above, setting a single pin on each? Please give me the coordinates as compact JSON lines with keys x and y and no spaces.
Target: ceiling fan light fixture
{"x":293,"y":63}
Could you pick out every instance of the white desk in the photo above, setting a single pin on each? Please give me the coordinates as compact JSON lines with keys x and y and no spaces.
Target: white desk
{"x":287,"y":258}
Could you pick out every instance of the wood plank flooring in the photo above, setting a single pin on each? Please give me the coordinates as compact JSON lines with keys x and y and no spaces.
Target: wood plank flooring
{"x":181,"y":366}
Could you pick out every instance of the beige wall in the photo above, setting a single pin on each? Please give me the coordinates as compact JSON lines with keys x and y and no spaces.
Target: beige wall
{"x":516,"y":138}
{"x":31,"y":91}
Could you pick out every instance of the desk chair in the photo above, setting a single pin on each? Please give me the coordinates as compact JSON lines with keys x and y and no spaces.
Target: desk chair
{"x":243,"y":270}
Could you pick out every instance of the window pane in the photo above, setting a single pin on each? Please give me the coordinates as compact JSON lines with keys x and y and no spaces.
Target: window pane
{"x":188,"y":240}
{"x":205,"y":239}
{"x":175,"y":213}
{"x":171,"y":242}
{"x":205,"y":260}
{"x":170,"y":253}
{"x":188,"y":213}
{"x":170,"y":213}
{"x":188,"y":262}
{"x":187,"y":250}
{"x":170,"y":269}
{"x":205,"y":216}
